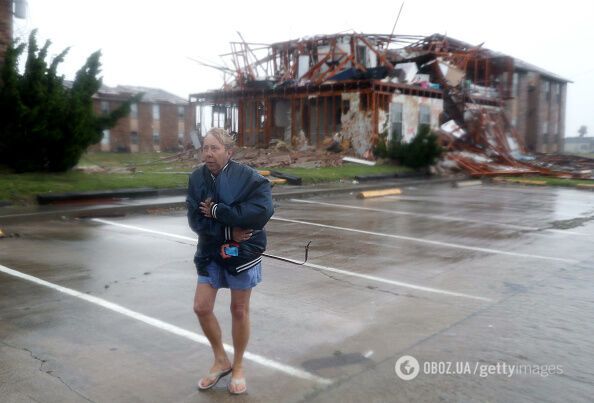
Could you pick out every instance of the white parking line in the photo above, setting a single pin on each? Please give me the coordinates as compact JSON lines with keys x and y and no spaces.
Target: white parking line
{"x":430,"y":242}
{"x":312,"y":265}
{"x":292,"y":371}
{"x":437,"y":217}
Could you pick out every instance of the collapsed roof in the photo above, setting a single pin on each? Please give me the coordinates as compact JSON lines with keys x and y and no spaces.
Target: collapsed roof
{"x":474,"y":82}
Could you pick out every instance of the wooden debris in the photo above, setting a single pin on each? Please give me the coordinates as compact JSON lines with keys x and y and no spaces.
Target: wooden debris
{"x":378,"y":193}
{"x":358,"y":161}
{"x":464,"y":184}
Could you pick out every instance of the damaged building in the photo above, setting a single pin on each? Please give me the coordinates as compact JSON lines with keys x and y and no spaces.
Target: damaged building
{"x":366,"y":87}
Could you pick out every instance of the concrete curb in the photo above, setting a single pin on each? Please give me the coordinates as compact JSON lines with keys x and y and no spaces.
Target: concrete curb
{"x":60,"y":212}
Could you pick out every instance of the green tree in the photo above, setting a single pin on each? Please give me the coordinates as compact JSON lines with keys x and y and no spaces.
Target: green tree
{"x":420,"y":152}
{"x":45,"y":125}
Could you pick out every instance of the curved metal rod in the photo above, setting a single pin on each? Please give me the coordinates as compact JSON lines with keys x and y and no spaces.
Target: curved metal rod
{"x":286,"y":259}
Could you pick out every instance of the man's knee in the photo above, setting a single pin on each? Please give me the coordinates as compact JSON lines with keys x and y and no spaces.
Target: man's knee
{"x":203,"y":309}
{"x":239,"y":310}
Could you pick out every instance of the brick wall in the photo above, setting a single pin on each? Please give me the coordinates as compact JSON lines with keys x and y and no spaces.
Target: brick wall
{"x":120,"y":133}
{"x":560,"y":140}
{"x":190,"y":122}
{"x":539,"y":116}
{"x":5,"y":27}
{"x":169,"y":127}
{"x":145,"y":127}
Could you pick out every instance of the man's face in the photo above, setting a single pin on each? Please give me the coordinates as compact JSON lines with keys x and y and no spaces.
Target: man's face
{"x":214,"y":154}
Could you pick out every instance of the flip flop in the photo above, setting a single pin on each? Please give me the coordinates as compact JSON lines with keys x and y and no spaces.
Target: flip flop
{"x":214,"y":375}
{"x":240,"y":381}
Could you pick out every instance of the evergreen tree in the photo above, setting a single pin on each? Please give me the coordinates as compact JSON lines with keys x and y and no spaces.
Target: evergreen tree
{"x":46,"y":126}
{"x":420,"y":152}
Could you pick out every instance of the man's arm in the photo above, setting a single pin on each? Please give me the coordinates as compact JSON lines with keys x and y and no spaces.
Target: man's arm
{"x":253,"y":213}
{"x":202,"y":225}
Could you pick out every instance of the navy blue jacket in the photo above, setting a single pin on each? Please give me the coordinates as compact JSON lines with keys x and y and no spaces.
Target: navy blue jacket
{"x":243,"y":199}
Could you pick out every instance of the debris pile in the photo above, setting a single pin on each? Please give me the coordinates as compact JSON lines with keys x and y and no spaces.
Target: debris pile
{"x":273,"y":157}
{"x":577,"y":166}
{"x":277,"y":155}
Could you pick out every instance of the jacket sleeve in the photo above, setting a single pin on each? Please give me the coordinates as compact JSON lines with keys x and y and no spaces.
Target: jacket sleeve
{"x":200,"y":224}
{"x":254,"y":212}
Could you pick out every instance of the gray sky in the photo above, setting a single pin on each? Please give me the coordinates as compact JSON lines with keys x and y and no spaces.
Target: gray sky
{"x":148,"y":42}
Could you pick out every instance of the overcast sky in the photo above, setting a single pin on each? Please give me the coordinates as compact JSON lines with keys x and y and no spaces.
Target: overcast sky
{"x":148,"y":42}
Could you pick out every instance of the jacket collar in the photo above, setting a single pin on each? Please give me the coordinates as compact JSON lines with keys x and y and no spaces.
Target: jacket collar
{"x":222,"y":170}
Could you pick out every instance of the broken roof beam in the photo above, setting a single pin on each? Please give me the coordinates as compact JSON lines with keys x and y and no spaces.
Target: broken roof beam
{"x":334,"y":70}
{"x":381,"y":55}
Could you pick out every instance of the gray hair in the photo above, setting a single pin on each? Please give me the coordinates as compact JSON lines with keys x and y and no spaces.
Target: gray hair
{"x":222,"y":136}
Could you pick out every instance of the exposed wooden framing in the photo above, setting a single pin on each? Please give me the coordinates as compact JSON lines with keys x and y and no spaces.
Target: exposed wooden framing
{"x":381,"y":56}
{"x":301,"y":115}
{"x":241,"y":128}
{"x":293,"y":119}
{"x":326,"y":131}
{"x":281,"y":63}
{"x":269,"y":117}
{"x":331,"y":72}
{"x":317,"y":120}
{"x":333,"y":114}
{"x":310,"y":73}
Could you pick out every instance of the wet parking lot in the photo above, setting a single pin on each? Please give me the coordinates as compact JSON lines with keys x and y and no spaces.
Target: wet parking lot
{"x":468,"y":282}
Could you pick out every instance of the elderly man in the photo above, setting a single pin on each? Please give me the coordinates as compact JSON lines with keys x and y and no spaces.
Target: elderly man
{"x":228,"y":206}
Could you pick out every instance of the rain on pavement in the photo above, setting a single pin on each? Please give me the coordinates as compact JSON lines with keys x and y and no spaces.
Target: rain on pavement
{"x":482,"y":276}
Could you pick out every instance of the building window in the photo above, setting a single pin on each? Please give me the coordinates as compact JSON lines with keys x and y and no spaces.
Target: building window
{"x":181,"y":112}
{"x":156,"y":138}
{"x":156,"y":112}
{"x":105,"y":138}
{"x":558,"y":92}
{"x":104,"y":107}
{"x":546,"y":89}
{"x":545,"y":128}
{"x":424,"y":115}
{"x":180,"y":135}
{"x":134,"y":139}
{"x":396,"y":109}
{"x":134,"y":111}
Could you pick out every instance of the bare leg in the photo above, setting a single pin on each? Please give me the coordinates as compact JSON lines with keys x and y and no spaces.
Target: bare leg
{"x":240,"y":309}
{"x":204,"y":300}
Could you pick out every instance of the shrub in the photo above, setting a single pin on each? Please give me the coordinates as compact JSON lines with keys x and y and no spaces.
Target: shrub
{"x":420,"y":152}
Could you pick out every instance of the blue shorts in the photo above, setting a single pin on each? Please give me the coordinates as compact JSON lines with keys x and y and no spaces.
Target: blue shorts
{"x":219,"y":278}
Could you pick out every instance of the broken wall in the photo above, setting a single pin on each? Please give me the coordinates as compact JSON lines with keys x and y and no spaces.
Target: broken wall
{"x":282,"y":120}
{"x":411,"y":111}
{"x":356,"y":124}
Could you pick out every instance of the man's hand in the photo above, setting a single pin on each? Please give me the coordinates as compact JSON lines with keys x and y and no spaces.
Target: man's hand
{"x":205,"y":207}
{"x":241,"y":234}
